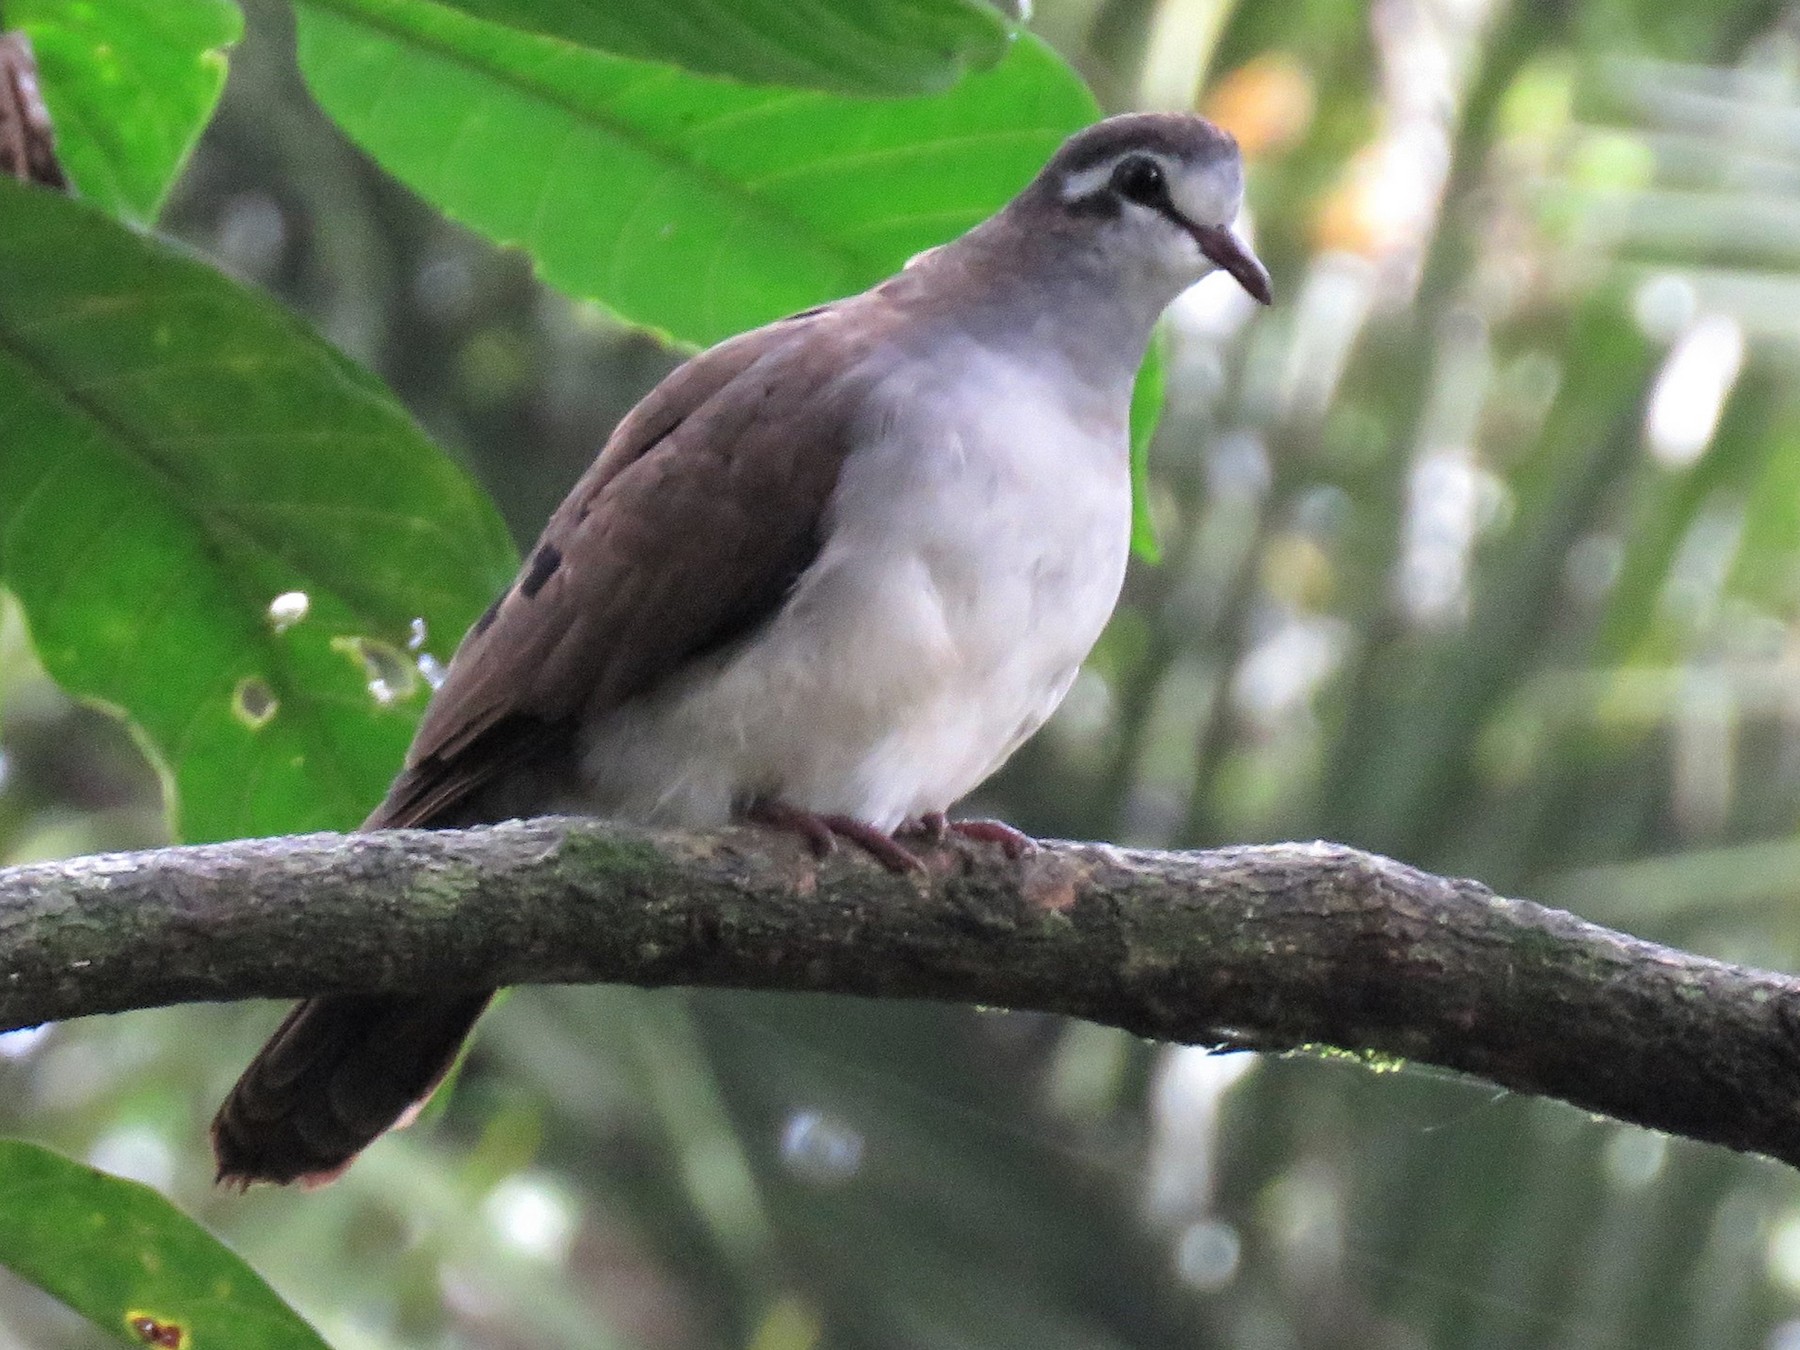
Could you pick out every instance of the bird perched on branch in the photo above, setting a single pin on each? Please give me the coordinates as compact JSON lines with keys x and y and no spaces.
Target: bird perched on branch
{"x":828,"y":575}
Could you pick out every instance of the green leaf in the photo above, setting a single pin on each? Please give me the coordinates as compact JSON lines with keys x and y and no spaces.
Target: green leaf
{"x":179,"y":453}
{"x":695,"y":207}
{"x":130,"y":85}
{"x":1767,"y":567}
{"x":849,"y":46}
{"x":118,"y":1253}
{"x":1146,"y":412}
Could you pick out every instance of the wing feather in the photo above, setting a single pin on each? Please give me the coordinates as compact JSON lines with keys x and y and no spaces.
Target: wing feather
{"x":687,"y":531}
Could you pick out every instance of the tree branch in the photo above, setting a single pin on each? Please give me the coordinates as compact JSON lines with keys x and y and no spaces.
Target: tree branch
{"x":1266,"y":948}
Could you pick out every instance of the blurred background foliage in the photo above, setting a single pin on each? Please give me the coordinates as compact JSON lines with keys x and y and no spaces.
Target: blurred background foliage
{"x":1481,"y":548}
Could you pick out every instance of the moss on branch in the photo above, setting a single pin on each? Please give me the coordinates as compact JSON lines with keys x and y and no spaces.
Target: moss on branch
{"x":1258,"y":947}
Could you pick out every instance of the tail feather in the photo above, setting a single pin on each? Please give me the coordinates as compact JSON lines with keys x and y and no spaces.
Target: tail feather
{"x":335,"y":1075}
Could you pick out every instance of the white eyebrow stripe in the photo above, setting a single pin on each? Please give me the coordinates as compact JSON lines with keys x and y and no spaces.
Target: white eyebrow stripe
{"x":1088,"y":181}
{"x":1091,"y":180}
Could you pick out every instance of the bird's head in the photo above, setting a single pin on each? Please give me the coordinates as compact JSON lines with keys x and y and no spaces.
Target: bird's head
{"x":1154,"y":194}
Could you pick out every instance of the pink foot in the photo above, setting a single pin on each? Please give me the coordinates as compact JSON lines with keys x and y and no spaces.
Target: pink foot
{"x":933,"y":826}
{"x":822,"y":833}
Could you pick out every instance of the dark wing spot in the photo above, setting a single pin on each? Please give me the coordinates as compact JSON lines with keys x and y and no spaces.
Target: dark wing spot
{"x":486,"y":621}
{"x":545,"y":561}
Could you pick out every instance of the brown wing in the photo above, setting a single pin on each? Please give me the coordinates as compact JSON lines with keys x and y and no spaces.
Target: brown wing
{"x":686,"y":531}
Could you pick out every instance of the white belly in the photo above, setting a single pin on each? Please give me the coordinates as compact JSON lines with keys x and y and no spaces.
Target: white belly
{"x":971,"y":562}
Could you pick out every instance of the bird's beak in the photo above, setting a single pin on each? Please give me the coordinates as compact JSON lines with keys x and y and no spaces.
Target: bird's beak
{"x":1231,"y":253}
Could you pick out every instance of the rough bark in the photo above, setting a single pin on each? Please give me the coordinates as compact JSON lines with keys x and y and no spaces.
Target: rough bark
{"x":1267,"y":948}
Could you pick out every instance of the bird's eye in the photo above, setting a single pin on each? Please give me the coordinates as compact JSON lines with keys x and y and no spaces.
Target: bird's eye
{"x":1140,"y":180}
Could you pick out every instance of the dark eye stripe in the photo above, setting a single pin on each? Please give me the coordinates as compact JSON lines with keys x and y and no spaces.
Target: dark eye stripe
{"x":1102,"y":205}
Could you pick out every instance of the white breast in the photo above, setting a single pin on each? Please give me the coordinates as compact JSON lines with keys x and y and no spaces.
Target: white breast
{"x":974,"y":551}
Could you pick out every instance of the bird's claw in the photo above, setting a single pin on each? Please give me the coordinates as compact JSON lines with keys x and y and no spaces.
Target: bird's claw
{"x":934,"y":827}
{"x":821,"y":833}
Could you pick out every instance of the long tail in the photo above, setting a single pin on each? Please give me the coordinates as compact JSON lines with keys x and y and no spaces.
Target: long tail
{"x":338,"y":1072}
